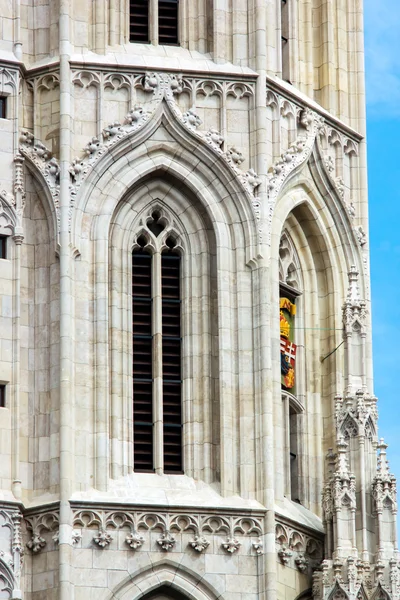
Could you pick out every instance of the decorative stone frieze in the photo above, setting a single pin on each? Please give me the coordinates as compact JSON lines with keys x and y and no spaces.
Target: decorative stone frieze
{"x":203,"y":526}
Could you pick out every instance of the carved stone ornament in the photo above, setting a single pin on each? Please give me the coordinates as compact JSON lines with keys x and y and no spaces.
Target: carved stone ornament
{"x":103,"y":538}
{"x":231,"y":545}
{"x":56,"y":537}
{"x":36,"y":543}
{"x":166,"y":541}
{"x":191,"y":119}
{"x":134,"y":540}
{"x":199,"y":543}
{"x":214,"y":138}
{"x":301,"y":563}
{"x":35,"y":151}
{"x":251,"y":181}
{"x":76,"y":536}
{"x":258,"y":547}
{"x":235,"y":155}
{"x":285,"y":556}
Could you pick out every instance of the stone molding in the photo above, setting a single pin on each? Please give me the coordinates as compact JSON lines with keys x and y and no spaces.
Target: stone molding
{"x":313,"y":135}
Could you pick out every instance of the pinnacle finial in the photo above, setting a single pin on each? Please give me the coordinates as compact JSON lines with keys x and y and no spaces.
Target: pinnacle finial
{"x":353,"y":293}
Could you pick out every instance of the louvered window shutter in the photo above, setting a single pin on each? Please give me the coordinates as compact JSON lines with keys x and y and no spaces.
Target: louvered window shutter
{"x":142,"y":361}
{"x":139,"y":21}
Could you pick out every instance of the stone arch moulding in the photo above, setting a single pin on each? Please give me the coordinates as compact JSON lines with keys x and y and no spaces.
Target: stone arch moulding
{"x":307,"y":150}
{"x":161,"y":575}
{"x":138,"y":151}
{"x":45,"y":172}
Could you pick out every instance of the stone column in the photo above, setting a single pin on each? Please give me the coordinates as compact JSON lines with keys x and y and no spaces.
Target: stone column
{"x":66,"y":325}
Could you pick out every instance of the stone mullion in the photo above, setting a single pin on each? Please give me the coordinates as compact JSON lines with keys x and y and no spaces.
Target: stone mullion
{"x":124,"y":21}
{"x":153,"y":21}
{"x":158,"y":456}
{"x":100,"y":26}
{"x":112,"y":33}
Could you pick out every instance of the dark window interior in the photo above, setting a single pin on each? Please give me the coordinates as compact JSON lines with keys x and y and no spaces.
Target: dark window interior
{"x":142,"y":361}
{"x":172,"y":378}
{"x":168,"y":18}
{"x":2,"y":395}
{"x":139,"y":21}
{"x":168,"y":22}
{"x":3,"y":107}
{"x":3,"y":246}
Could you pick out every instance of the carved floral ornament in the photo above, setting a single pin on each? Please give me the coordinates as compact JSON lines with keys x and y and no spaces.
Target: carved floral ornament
{"x":169,"y":526}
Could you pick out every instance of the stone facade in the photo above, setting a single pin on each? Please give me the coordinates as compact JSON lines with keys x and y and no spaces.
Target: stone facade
{"x":250,"y":150}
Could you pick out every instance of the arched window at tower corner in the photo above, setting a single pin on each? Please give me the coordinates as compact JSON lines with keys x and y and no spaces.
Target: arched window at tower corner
{"x":157,"y":350}
{"x":154,"y":21}
{"x":289,"y":297}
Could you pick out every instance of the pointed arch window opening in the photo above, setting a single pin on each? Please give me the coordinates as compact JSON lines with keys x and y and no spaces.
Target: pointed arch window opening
{"x":157,"y":350}
{"x":154,"y":21}
{"x":293,"y":409}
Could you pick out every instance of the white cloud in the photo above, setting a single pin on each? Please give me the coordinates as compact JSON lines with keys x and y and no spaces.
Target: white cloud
{"x":382,"y":55}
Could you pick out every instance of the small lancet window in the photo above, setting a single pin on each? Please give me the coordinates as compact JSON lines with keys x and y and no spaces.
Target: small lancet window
{"x":157,"y":353}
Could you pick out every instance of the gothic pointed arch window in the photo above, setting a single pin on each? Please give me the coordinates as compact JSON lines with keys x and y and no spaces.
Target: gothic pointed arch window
{"x":289,"y":296}
{"x":156,"y":333}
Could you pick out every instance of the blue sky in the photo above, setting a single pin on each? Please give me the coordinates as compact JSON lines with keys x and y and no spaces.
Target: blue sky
{"x":382,"y":55}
